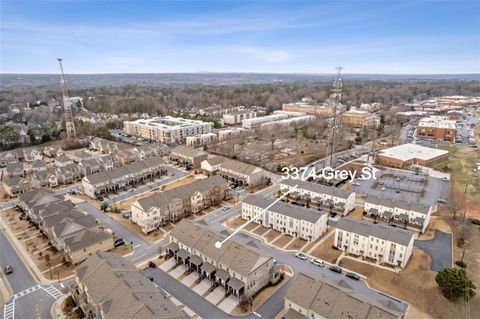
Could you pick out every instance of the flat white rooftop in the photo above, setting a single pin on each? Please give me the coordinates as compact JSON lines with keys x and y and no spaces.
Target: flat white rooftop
{"x":168,"y":122}
{"x":437,"y":122}
{"x":407,"y":152}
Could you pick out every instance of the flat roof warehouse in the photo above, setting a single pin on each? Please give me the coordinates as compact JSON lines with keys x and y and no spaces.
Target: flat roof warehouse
{"x":407,"y":152}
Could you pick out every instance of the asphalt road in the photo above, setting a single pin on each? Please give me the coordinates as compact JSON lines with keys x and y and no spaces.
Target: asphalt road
{"x":439,"y":248}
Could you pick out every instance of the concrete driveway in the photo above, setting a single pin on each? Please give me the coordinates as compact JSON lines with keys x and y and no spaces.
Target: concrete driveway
{"x":439,"y":248}
{"x":216,"y":295}
{"x":229,"y":304}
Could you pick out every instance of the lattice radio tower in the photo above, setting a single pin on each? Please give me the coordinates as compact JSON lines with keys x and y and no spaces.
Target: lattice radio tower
{"x":336,"y":94}
{"x":67,"y":106}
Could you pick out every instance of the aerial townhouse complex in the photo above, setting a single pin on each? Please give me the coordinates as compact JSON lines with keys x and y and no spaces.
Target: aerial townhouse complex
{"x":123,"y":177}
{"x":241,"y":269}
{"x":307,"y":106}
{"x":109,"y":287}
{"x":188,"y":157}
{"x":310,"y":297}
{"x":167,"y":130}
{"x":295,"y":221}
{"x":201,"y":140}
{"x":408,"y":154}
{"x":254,"y":122}
{"x":313,"y":194}
{"x":414,"y":216}
{"x":360,"y":119}
{"x":239,"y":173}
{"x":238,"y":116}
{"x":229,"y":133}
{"x":437,"y":128}
{"x":164,"y":207}
{"x":70,"y":230}
{"x":379,"y":242}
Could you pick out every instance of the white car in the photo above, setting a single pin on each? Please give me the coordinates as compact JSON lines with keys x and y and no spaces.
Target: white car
{"x":318,"y":262}
{"x":225,"y":208}
{"x":301,"y":256}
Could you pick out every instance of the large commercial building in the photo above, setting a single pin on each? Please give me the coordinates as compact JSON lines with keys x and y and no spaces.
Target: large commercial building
{"x":109,"y":287}
{"x":414,"y":216}
{"x":408,"y":154}
{"x":437,"y":128}
{"x":312,"y":298}
{"x":161,"y":208}
{"x":314,"y":194}
{"x":168,"y":129}
{"x":300,"y":222}
{"x":380,"y":242}
{"x":307,"y":106}
{"x":241,"y":269}
{"x":360,"y":119}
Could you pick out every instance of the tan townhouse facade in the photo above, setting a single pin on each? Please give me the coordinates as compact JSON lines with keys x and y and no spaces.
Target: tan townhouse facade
{"x":188,"y":157}
{"x":243,"y":174}
{"x":242,"y":270}
{"x":320,"y":298}
{"x":164,"y":207}
{"x":238,"y":116}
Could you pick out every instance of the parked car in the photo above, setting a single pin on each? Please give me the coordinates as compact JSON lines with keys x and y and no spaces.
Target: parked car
{"x":356,"y":184}
{"x":127,"y":215}
{"x":151,"y":264}
{"x":301,"y":256}
{"x":225,"y":208}
{"x":352,"y":275}
{"x":100,"y":198}
{"x":8,"y":269}
{"x":118,"y":242}
{"x":317,"y":262}
{"x":335,"y":269}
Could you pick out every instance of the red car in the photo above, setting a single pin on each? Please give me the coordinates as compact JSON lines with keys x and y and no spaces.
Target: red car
{"x":8,"y":269}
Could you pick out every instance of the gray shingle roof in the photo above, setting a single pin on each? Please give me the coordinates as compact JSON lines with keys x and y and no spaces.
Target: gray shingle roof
{"x":290,"y":210}
{"x":381,"y":231}
{"x":402,"y":204}
{"x":318,"y":188}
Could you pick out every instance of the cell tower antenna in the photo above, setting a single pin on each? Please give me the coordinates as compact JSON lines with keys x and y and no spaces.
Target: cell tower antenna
{"x":67,"y":105}
{"x":337,"y":94}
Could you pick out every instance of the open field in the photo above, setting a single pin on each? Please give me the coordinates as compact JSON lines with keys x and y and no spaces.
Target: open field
{"x":415,"y":284}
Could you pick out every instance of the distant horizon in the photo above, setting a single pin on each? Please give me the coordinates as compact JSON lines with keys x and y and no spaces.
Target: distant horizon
{"x":238,"y":72}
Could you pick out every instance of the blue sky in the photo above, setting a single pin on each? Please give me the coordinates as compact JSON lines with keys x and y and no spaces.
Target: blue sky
{"x":390,"y":36}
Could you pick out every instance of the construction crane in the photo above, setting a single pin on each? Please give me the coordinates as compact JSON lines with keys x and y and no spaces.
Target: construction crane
{"x":67,"y":106}
{"x":336,"y":94}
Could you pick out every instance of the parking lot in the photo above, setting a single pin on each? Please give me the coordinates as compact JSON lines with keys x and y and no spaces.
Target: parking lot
{"x":404,"y":185}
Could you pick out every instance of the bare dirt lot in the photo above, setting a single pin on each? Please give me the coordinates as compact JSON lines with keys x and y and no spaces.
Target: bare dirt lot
{"x":325,"y":250}
{"x":297,"y":244}
{"x":236,"y":222}
{"x":415,"y":284}
{"x":282,"y":241}
{"x":286,"y":151}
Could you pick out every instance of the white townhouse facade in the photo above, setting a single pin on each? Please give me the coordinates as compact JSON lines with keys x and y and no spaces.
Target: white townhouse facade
{"x":414,"y":216}
{"x":333,"y":198}
{"x":201,"y":140}
{"x":379,"y":242}
{"x":300,"y":222}
{"x":167,"y":130}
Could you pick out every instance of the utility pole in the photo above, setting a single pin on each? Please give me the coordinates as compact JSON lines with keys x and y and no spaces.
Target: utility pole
{"x":67,"y":105}
{"x":337,"y":93}
{"x":465,"y":219}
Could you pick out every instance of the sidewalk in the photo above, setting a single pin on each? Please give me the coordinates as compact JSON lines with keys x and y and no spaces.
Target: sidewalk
{"x":5,"y":289}
{"x":56,"y":310}
{"x":24,"y":255}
